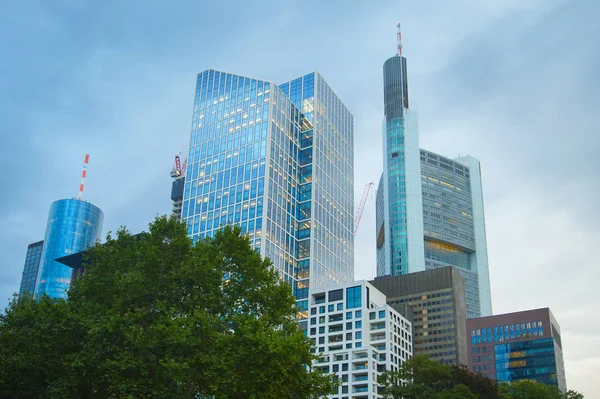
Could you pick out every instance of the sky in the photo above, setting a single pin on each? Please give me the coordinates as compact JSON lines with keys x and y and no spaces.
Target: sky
{"x":513,"y":83}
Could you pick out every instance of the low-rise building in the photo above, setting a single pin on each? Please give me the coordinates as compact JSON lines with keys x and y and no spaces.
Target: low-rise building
{"x":357,"y":337}
{"x":518,"y":346}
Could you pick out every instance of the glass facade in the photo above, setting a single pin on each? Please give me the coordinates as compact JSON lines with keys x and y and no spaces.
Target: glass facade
{"x":277,"y":161}
{"x":429,"y":208}
{"x":31,"y":268}
{"x":518,"y":346}
{"x":73,"y":225}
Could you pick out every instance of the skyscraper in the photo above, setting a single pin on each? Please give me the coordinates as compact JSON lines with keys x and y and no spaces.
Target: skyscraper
{"x":73,"y":225}
{"x":31,"y":268}
{"x":429,"y":207}
{"x":276,"y":160}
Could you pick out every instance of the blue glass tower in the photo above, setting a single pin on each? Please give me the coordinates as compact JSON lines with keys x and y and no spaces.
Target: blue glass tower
{"x":73,"y":225}
{"x":429,"y":207}
{"x":276,"y":160}
{"x":31,"y":268}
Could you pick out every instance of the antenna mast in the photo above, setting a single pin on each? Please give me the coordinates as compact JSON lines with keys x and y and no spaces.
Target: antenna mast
{"x":83,"y":175}
{"x":399,"y":39}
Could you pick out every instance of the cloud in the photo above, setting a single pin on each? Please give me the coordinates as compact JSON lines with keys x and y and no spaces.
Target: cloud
{"x":513,"y":83}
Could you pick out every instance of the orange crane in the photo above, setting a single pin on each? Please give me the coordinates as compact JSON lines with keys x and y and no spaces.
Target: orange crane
{"x":361,"y":206}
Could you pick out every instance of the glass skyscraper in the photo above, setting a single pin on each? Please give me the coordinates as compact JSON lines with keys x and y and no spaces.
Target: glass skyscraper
{"x":31,"y":268}
{"x":429,"y":207}
{"x":73,"y":225}
{"x":277,"y":160}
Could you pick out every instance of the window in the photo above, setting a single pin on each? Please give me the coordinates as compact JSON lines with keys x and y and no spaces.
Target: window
{"x":382,"y":314}
{"x":372,"y":316}
{"x":349,"y":326}
{"x":358,"y":314}
{"x":336,"y":295}
{"x":321,"y":309}
{"x":322,"y":330}
{"x":358,"y":324}
{"x":353,"y":297}
{"x":348,"y":315}
{"x":340,"y":306}
{"x":331,"y":308}
{"x":313,"y":310}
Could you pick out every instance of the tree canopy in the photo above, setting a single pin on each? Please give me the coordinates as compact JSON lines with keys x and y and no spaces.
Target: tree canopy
{"x":422,"y":378}
{"x":157,"y":317}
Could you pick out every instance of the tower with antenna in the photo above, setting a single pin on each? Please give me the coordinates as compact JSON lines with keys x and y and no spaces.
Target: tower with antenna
{"x":73,"y":225}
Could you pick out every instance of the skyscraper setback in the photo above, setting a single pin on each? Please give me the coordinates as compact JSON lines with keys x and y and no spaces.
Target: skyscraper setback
{"x":429,"y":207}
{"x":277,"y":160}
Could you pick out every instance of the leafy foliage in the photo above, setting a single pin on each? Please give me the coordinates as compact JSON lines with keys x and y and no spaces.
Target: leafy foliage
{"x":156,"y":317}
{"x":421,"y":378}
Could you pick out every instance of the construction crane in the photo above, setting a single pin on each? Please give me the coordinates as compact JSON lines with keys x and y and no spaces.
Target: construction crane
{"x":178,"y":170}
{"x":361,"y":206}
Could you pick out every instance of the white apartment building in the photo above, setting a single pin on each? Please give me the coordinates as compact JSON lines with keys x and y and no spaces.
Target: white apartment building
{"x":357,"y":337}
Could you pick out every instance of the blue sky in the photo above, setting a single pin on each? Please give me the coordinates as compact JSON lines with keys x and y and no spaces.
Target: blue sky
{"x":513,"y":83}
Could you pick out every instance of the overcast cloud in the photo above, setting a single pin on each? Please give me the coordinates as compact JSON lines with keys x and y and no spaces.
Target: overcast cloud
{"x":513,"y":83}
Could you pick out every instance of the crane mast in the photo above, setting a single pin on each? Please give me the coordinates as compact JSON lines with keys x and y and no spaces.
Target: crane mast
{"x":361,"y":206}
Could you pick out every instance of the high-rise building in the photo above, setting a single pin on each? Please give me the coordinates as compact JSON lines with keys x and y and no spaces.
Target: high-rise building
{"x":31,"y":268}
{"x":73,"y":225}
{"x":518,"y":346}
{"x":357,"y":337}
{"x":276,"y":160}
{"x":429,"y":207}
{"x":437,"y":298}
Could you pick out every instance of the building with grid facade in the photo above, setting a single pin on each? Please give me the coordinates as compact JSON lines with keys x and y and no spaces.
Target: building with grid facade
{"x":437,"y":298}
{"x":429,"y":207}
{"x":31,"y":268}
{"x":277,"y":160}
{"x":73,"y":225}
{"x":357,"y":337}
{"x":518,"y":346}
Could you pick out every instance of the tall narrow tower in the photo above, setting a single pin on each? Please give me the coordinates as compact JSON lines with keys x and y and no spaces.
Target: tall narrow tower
{"x":73,"y":225}
{"x":400,"y":219}
{"x":429,"y":207}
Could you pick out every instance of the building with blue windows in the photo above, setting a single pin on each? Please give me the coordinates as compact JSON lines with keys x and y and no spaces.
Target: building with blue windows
{"x":73,"y":225}
{"x":277,"y":160}
{"x":518,"y":346}
{"x":31,"y":268}
{"x":357,"y":337}
{"x":429,"y":207}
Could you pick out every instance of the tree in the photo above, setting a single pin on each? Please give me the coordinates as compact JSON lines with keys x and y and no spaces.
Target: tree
{"x":526,"y":389}
{"x":157,"y":317}
{"x":422,"y":378}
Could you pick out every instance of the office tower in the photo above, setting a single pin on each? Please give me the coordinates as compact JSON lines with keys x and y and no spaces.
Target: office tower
{"x":429,"y":207}
{"x":518,"y":346}
{"x":276,"y":160}
{"x":437,"y":298}
{"x":73,"y":225}
{"x":357,"y":336}
{"x":31,"y":268}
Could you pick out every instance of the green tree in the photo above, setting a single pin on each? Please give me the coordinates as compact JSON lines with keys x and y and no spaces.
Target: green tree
{"x":570,"y":394}
{"x":526,"y":389}
{"x":422,"y":378}
{"x":157,"y":317}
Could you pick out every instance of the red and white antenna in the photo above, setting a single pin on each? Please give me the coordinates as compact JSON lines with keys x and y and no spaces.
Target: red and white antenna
{"x":399,"y":39}
{"x":83,"y":175}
